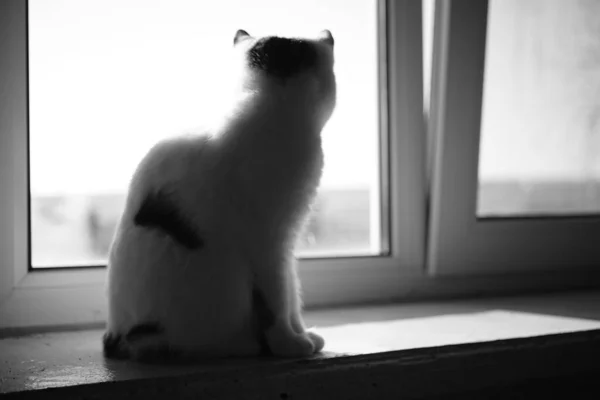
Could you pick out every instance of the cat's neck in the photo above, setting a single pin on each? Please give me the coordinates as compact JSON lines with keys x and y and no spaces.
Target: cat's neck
{"x":267,"y":112}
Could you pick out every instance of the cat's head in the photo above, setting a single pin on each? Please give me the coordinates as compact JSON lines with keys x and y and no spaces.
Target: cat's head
{"x":304,"y":65}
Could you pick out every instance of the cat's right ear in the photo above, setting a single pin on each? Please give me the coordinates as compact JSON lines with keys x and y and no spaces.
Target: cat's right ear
{"x":325,"y":36}
{"x":240,"y":35}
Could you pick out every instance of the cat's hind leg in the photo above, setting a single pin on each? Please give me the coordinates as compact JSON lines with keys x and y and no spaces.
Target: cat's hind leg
{"x":277,"y":305}
{"x":296,"y":311}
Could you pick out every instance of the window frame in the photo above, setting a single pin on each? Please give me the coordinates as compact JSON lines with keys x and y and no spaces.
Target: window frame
{"x":460,"y":243}
{"x":13,"y":146}
{"x":43,"y":300}
{"x":57,"y":297}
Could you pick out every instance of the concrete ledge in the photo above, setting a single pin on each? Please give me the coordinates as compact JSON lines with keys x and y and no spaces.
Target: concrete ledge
{"x":549,"y":365}
{"x":490,"y":348}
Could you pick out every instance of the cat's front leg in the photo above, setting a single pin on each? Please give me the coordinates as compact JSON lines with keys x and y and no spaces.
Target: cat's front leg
{"x":277,"y":304}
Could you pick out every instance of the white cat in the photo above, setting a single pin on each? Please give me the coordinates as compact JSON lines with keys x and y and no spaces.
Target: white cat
{"x":201,"y":264}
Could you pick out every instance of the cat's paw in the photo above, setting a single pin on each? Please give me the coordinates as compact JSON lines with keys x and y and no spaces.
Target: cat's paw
{"x":317,"y":340}
{"x":292,"y":344}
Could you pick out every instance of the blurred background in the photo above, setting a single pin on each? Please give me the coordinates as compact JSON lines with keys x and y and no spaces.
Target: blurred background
{"x":540,"y":128}
{"x":109,"y":78}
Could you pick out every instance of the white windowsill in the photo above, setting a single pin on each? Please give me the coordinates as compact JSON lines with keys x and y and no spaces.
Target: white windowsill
{"x":63,"y":359}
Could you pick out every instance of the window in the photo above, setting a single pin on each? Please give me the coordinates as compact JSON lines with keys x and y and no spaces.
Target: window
{"x":98,"y":100}
{"x":540,"y":127}
{"x":463,"y":209}
{"x":389,"y":128}
{"x":516,"y":137}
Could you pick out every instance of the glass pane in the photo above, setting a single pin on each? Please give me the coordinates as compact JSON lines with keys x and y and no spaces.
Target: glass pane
{"x":108,"y":78}
{"x":428,"y":19}
{"x":540,"y":137}
{"x":428,"y":25}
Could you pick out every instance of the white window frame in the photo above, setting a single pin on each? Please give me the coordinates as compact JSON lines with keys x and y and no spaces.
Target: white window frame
{"x":62,"y":297}
{"x":75,"y":298}
{"x":461,"y":244}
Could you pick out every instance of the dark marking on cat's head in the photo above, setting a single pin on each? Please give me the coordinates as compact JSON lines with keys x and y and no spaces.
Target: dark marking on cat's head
{"x":143,"y":330}
{"x":300,"y":69}
{"x":282,"y":57}
{"x":113,"y":346}
{"x":265,"y":319}
{"x":159,"y":211}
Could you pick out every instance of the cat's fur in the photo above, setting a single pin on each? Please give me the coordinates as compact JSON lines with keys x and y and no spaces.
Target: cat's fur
{"x":201,"y":264}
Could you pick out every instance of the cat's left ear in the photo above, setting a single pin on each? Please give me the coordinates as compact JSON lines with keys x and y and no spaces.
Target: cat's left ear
{"x":240,"y":35}
{"x":325,"y":36}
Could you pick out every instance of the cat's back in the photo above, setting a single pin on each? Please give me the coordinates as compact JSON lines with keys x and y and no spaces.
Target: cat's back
{"x":166,"y":183}
{"x":173,"y":157}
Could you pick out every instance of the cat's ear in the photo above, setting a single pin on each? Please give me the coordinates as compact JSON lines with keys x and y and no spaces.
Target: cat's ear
{"x":240,"y":35}
{"x":325,"y":36}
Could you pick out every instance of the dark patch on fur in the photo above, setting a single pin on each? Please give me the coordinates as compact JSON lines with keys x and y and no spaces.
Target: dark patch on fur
{"x":128,"y":346}
{"x":159,"y":211}
{"x":265,"y":319}
{"x":282,"y":57}
{"x":113,"y":346}
{"x":140,"y":331}
{"x":161,"y":353}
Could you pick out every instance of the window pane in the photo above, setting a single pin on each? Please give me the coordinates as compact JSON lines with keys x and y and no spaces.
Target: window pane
{"x":540,"y":137}
{"x":108,"y":78}
{"x":428,"y":19}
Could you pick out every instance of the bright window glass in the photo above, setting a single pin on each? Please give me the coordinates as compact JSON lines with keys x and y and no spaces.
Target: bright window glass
{"x":540,"y":129}
{"x":109,"y":78}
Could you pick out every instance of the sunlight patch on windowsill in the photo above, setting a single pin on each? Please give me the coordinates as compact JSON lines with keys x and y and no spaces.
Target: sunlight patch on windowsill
{"x":442,"y":330}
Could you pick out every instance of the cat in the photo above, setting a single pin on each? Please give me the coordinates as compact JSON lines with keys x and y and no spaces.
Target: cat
{"x":201,"y":264}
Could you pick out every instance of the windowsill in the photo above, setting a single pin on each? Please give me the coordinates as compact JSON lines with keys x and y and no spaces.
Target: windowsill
{"x":374,"y":339}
